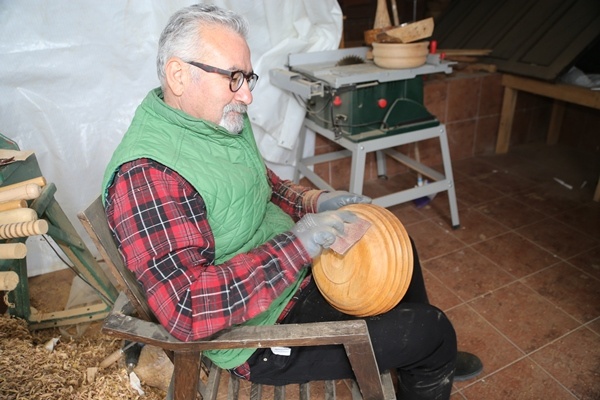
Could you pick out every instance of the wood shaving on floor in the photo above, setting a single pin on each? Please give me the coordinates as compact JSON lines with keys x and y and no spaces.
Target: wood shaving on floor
{"x":66,"y":370}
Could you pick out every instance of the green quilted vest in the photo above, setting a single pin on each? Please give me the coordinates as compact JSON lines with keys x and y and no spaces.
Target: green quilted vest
{"x":228,"y":172}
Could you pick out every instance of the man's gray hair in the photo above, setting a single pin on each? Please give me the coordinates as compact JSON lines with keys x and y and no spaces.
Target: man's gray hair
{"x":181,"y":37}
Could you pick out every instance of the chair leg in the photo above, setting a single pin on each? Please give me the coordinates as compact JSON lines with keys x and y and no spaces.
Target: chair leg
{"x":364,"y":368}
{"x":387,"y":380}
{"x":305,"y":391}
{"x":170,"y":390}
{"x":233,"y":387}
{"x":354,"y":390}
{"x":186,"y":373}
{"x":210,"y":389}
{"x":279,"y":393}
{"x":256,"y":391}
{"x":330,"y":393}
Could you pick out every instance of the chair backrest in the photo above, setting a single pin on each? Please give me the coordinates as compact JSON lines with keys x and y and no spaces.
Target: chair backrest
{"x":94,"y":221}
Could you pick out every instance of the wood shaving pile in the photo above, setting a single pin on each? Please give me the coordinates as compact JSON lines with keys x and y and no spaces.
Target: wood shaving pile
{"x":29,"y":371}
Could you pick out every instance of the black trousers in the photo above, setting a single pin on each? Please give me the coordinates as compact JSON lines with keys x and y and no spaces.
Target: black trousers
{"x":415,"y":338}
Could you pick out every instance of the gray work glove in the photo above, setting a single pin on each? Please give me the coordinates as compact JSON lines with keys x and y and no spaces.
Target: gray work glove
{"x":318,"y":231}
{"x":333,"y":200}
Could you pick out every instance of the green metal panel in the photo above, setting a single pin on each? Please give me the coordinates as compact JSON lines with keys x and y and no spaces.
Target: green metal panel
{"x":372,"y":110}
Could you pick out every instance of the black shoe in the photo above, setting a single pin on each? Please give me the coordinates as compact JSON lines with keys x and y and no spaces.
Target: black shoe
{"x":468,"y":366}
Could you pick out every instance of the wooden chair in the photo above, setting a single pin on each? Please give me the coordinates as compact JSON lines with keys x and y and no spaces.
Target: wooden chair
{"x":131,"y":319}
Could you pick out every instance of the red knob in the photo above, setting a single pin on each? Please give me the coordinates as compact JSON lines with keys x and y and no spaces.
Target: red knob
{"x":382,"y":103}
{"x":433,"y":47}
{"x":337,"y":101}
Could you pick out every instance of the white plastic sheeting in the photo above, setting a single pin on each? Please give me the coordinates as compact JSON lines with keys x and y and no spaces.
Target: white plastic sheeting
{"x":72,"y":74}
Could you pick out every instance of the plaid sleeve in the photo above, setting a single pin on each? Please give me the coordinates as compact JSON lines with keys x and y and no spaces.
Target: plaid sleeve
{"x":160,"y":224}
{"x":295,"y":200}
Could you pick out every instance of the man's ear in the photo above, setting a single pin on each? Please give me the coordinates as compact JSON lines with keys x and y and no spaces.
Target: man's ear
{"x":176,"y":75}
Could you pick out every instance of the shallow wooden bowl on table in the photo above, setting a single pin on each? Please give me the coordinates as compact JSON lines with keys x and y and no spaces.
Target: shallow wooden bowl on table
{"x":373,"y":275}
{"x":400,"y":55}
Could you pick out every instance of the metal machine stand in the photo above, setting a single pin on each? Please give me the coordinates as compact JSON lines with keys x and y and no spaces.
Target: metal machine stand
{"x":383,"y":146}
{"x":364,"y":108}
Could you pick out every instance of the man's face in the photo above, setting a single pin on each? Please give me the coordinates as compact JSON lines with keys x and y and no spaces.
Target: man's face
{"x":208,"y":96}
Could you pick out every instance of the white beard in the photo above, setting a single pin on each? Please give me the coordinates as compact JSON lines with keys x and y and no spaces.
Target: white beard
{"x":233,"y":117}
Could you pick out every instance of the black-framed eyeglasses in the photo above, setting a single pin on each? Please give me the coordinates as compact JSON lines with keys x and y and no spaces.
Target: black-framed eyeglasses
{"x":236,"y":78}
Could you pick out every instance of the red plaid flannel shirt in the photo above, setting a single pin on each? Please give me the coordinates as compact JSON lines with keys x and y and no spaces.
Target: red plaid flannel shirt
{"x":160,"y":223}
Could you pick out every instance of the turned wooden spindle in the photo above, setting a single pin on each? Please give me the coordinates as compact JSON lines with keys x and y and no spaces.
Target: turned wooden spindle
{"x":40,"y":181}
{"x":13,"y":204}
{"x":12,"y":251}
{"x":23,"y":229}
{"x":17,"y":215}
{"x":8,"y":280}
{"x":28,"y":191}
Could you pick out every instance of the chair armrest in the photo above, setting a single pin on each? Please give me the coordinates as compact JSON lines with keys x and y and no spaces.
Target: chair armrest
{"x":119,"y":323}
{"x":353,"y":335}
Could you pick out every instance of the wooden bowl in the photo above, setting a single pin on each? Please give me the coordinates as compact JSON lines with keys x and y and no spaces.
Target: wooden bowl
{"x":400,"y":55}
{"x":373,"y":276}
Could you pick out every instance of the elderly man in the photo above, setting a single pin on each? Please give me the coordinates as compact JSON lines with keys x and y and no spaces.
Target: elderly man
{"x":216,"y":239}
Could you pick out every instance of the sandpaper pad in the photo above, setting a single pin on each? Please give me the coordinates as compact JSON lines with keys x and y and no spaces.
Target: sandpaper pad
{"x":353,"y":232}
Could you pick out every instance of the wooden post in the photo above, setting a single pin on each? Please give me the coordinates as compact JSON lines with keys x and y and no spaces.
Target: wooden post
{"x":556,"y":119}
{"x":506,"y":120}
{"x":382,"y":16}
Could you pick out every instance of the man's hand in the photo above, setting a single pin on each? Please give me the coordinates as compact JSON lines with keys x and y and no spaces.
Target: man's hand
{"x":339,"y":198}
{"x":318,"y":231}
